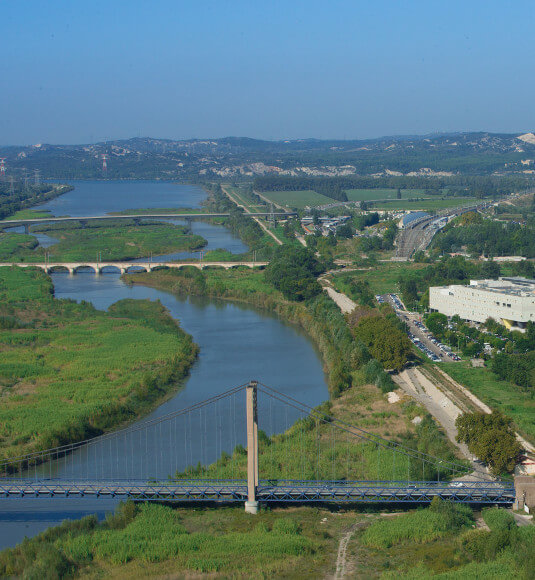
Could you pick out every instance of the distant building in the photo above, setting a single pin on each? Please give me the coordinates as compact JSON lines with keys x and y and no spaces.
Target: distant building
{"x":510,"y":301}
{"x":411,"y":217}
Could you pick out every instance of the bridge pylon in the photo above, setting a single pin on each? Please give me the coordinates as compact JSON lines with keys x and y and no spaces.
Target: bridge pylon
{"x":251,"y":505}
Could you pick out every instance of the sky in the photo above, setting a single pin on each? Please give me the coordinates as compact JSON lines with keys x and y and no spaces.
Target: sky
{"x":80,"y":72}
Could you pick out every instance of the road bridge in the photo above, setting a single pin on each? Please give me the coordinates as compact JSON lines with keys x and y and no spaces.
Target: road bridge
{"x":125,"y":267}
{"x":316,"y":461}
{"x":137,"y":218}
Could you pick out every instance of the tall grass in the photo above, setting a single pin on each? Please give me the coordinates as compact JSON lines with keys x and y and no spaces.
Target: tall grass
{"x":151,"y":533}
{"x":68,"y":371}
{"x":420,"y":526}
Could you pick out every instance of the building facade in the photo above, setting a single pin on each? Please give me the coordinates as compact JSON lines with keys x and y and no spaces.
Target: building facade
{"x":510,"y":301}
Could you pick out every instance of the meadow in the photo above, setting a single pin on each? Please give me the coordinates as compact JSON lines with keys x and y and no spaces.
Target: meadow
{"x":28,"y":214}
{"x":382,"y":277}
{"x":383,"y":193}
{"x":298,"y":199}
{"x":68,"y":371}
{"x":514,"y":401}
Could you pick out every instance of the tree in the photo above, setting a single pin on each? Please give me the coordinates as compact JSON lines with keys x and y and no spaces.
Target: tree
{"x":491,"y":438}
{"x":385,"y":341}
{"x":437,"y":323}
{"x":293,"y":270}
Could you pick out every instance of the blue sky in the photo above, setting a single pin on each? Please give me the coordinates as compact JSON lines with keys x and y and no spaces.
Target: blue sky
{"x":74,"y":71}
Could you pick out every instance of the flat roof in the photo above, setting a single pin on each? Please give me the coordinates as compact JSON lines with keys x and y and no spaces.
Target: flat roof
{"x":515,"y":286}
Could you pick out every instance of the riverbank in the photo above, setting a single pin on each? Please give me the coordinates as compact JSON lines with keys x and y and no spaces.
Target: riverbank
{"x":151,"y":540}
{"x":354,"y":397}
{"x":69,"y":372}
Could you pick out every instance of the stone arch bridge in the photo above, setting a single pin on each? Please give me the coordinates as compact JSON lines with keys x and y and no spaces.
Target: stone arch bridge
{"x":125,"y":267}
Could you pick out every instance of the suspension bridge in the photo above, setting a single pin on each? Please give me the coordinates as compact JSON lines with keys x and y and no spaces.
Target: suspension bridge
{"x":248,"y":444}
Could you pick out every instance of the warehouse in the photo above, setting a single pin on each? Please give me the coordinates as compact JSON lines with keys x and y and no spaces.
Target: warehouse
{"x":510,"y":301}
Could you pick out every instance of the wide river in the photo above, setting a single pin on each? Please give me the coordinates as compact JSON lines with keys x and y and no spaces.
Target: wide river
{"x":237,"y":343}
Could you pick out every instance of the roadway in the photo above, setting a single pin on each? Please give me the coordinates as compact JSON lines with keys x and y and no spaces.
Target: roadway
{"x":137,"y":217}
{"x":477,"y":492}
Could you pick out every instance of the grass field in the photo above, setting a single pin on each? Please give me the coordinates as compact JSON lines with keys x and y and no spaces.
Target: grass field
{"x":114,"y":242}
{"x":68,"y":371}
{"x":383,"y":278}
{"x":298,"y":199}
{"x":426,"y":204}
{"x":367,"y":194}
{"x":28,"y":214}
{"x":509,"y":398}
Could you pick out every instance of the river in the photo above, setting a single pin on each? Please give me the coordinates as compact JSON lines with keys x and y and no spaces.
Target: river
{"x":237,"y":343}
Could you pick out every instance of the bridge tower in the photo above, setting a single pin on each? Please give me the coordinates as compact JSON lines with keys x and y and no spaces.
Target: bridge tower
{"x":251,"y":505}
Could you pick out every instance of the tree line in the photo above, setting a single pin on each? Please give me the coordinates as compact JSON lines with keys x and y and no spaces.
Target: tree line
{"x":480,"y":186}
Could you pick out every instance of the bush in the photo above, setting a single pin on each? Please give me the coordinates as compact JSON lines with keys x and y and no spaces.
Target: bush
{"x":498,"y":519}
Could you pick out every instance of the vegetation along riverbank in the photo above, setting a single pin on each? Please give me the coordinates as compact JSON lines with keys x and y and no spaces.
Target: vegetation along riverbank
{"x":113,"y":241}
{"x":69,"y":371}
{"x":357,"y":382}
{"x":150,"y":540}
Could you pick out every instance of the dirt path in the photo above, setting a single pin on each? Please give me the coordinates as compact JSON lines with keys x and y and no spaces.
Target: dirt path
{"x":343,"y":567}
{"x":345,"y":303}
{"x":443,"y":409}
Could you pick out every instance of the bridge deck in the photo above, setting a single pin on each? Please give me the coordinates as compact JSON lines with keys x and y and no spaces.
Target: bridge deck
{"x":268,"y":491}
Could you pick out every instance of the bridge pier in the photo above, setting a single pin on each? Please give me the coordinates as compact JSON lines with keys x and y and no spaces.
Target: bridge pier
{"x":26,"y":229}
{"x":251,"y":505}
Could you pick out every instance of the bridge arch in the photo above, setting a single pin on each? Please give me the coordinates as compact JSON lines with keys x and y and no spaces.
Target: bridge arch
{"x":82,"y":267}
{"x":56,"y":268}
{"x":133,"y":268}
{"x":109,"y":269}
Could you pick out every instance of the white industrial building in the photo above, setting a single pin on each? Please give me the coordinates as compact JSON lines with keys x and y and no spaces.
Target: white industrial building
{"x":510,"y":301}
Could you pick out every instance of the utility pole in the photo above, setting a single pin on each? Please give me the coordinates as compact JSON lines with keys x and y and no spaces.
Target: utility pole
{"x":251,"y":505}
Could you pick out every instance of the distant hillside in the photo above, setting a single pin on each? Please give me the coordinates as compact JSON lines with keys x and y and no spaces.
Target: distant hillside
{"x":241,"y":157}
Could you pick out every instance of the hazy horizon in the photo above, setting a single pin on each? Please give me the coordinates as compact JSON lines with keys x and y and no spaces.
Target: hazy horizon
{"x":75,"y":73}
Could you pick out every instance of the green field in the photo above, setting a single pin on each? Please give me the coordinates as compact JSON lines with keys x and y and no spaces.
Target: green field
{"x":511,"y":399}
{"x":68,"y":371}
{"x":426,"y":204}
{"x":114,"y":242}
{"x":367,"y":194}
{"x":28,"y":214}
{"x":298,"y":199}
{"x":382,"y":278}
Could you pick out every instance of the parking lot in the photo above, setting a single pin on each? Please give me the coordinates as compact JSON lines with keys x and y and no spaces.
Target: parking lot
{"x":418,"y":333}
